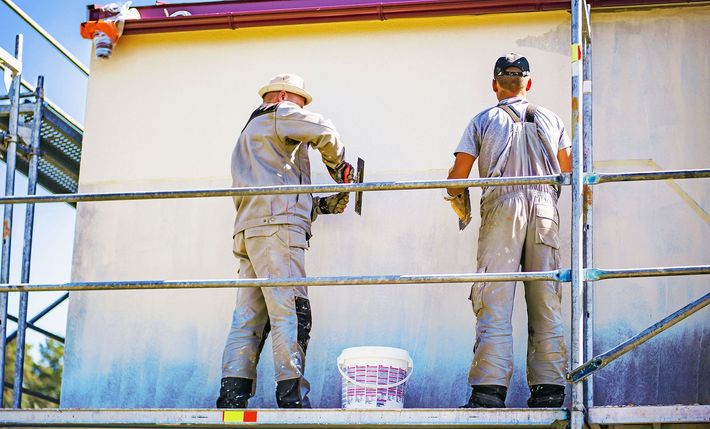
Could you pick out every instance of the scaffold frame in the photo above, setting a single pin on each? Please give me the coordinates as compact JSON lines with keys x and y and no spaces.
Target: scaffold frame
{"x":581,"y":275}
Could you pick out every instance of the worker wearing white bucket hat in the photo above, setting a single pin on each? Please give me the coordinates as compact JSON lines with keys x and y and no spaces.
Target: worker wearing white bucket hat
{"x":289,"y":83}
{"x":271,"y":235}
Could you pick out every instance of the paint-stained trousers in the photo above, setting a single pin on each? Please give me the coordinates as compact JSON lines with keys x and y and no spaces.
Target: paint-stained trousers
{"x":518,"y":229}
{"x":270,"y":251}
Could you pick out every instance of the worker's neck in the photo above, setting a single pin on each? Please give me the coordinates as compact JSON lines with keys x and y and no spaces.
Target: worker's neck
{"x":504,"y":95}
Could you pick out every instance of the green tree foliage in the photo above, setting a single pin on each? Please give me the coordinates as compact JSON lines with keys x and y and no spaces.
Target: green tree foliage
{"x":43,"y":376}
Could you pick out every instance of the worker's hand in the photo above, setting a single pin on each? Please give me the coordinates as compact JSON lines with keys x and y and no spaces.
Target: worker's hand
{"x":342,"y":173}
{"x":458,"y":205}
{"x":332,"y":204}
{"x":461,"y":204}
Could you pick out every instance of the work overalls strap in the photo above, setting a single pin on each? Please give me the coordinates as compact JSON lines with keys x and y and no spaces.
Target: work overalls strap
{"x":526,"y":153}
{"x":529,"y":113}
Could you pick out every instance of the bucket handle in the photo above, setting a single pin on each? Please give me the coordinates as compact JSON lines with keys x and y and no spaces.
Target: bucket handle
{"x":377,"y":386}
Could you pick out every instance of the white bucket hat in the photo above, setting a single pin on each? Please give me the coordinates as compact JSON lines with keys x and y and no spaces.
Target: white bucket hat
{"x":288,"y":82}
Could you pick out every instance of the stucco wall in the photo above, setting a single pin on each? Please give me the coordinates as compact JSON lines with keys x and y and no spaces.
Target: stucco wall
{"x":165,"y":110}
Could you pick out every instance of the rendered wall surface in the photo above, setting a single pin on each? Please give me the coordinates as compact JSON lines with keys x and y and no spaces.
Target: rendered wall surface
{"x":165,"y":111}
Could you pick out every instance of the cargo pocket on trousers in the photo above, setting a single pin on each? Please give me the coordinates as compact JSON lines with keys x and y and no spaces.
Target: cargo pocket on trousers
{"x":258,"y":247}
{"x":293,"y":236}
{"x":297,"y":236}
{"x":547,"y":226}
{"x":476,"y":296}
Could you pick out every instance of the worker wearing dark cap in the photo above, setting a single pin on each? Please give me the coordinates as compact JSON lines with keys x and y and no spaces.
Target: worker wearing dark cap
{"x":519,"y":229}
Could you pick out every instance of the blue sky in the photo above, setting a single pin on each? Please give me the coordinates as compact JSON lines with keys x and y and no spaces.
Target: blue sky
{"x":66,"y":86}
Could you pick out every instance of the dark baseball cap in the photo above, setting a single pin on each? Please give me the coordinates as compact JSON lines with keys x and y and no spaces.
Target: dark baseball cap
{"x":511,"y":60}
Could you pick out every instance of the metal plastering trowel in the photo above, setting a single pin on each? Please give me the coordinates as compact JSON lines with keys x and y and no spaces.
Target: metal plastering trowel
{"x":359,"y":177}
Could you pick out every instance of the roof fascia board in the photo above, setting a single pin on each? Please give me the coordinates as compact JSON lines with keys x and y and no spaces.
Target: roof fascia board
{"x":263,"y":13}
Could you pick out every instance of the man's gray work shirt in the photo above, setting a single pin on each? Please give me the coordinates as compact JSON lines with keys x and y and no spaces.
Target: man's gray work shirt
{"x":488,"y":138}
{"x":273,"y":150}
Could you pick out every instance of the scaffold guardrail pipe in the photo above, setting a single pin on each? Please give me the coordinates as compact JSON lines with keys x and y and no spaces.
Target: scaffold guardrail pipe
{"x":595,"y":274}
{"x":289,"y":189}
{"x":597,"y":178}
{"x":561,"y":179}
{"x":562,"y":276}
{"x":556,"y":275}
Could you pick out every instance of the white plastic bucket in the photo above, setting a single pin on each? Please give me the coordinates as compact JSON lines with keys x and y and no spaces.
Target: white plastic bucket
{"x":374,"y":377}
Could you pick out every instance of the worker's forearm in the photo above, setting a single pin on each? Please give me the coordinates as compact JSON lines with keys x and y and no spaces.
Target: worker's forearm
{"x":460,"y":170}
{"x":454,"y":191}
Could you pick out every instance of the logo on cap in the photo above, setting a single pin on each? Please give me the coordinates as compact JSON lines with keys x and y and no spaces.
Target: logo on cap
{"x":511,"y":60}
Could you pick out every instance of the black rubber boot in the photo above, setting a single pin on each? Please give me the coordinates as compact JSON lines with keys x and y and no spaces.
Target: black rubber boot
{"x":487,"y":396}
{"x":546,"y":396}
{"x":288,"y":394}
{"x":234,"y":392}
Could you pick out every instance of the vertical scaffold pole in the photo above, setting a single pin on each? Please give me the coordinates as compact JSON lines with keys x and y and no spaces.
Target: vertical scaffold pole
{"x":10,"y":161}
{"x":588,"y":211}
{"x":577,"y":414}
{"x":33,"y":155}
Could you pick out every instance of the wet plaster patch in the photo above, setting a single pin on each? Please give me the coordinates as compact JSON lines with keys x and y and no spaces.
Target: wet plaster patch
{"x":556,"y":40}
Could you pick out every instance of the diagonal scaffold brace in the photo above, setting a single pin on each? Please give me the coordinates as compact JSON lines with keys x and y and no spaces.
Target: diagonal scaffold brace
{"x":600,"y":361}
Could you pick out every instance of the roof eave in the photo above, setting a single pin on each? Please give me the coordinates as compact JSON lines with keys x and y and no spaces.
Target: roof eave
{"x":264,"y":13}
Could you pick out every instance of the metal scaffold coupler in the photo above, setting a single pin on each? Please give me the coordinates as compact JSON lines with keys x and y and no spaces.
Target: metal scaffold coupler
{"x":24,"y":148}
{"x":31,"y":151}
{"x":566,"y":179}
{"x":7,"y":139}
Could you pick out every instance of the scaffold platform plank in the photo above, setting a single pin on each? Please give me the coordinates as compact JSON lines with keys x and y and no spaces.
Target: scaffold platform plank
{"x":60,"y":148}
{"x":649,"y":414}
{"x":334,"y":418}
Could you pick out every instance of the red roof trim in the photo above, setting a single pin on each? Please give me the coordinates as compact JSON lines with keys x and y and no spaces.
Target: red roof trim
{"x":260,"y":13}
